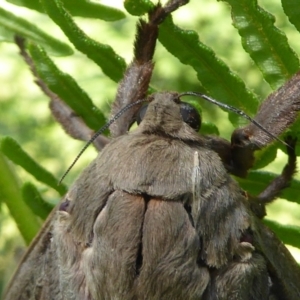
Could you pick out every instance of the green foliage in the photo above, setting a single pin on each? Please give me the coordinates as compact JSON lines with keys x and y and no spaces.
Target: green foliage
{"x":198,"y":64}
{"x":15,"y":153}
{"x":138,"y":7}
{"x":266,"y":44}
{"x":214,"y":75}
{"x":83,"y":8}
{"x":112,"y":64}
{"x":11,"y":195}
{"x":209,"y":128}
{"x":12,"y":25}
{"x":265,"y":156}
{"x":292,"y":10}
{"x":66,"y":88}
{"x":288,"y":234}
{"x":35,"y":202}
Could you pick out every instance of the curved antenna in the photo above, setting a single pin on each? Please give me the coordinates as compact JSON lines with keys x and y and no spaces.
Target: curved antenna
{"x":101,"y":130}
{"x":235,"y":110}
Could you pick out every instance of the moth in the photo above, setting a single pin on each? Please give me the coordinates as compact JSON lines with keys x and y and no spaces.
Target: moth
{"x":157,"y":215}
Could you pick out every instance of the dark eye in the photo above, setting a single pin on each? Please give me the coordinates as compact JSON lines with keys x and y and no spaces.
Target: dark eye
{"x":190,"y":115}
{"x":141,"y":114}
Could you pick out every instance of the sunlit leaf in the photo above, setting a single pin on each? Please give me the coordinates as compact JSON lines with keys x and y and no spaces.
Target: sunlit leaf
{"x":292,"y":10}
{"x":213,"y":74}
{"x":83,"y":8}
{"x":66,"y":88}
{"x":209,"y":128}
{"x":138,"y":7}
{"x":288,"y":234}
{"x":14,"y":152}
{"x":12,"y":25}
{"x":265,"y":156}
{"x":34,"y":201}
{"x":266,"y":44}
{"x":11,"y":193}
{"x":103,"y":55}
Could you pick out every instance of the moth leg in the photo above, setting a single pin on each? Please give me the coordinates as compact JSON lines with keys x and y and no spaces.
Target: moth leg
{"x":135,"y":83}
{"x":281,"y":182}
{"x":275,"y":114}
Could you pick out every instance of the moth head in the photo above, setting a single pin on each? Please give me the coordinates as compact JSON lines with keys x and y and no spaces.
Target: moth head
{"x":167,"y":111}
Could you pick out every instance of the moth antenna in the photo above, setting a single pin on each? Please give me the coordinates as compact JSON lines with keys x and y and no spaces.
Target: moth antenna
{"x":235,"y":110}
{"x":100,"y":131}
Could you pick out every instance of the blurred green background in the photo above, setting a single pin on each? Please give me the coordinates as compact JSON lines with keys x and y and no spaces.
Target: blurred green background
{"x":25,"y":116}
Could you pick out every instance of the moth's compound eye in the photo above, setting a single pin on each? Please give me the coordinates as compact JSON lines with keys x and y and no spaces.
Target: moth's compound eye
{"x":141,"y":114}
{"x":190,"y":115}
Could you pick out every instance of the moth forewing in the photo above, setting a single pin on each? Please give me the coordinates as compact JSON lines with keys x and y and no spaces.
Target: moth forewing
{"x":283,"y":270}
{"x":37,"y":274}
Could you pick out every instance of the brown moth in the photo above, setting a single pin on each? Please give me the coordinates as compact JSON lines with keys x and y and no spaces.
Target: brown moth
{"x":156,"y":215}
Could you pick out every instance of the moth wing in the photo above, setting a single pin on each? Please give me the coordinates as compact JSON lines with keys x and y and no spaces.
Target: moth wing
{"x":144,"y":248}
{"x":36,"y":277}
{"x":283,"y":269}
{"x":170,"y":254}
{"x":244,"y":278}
